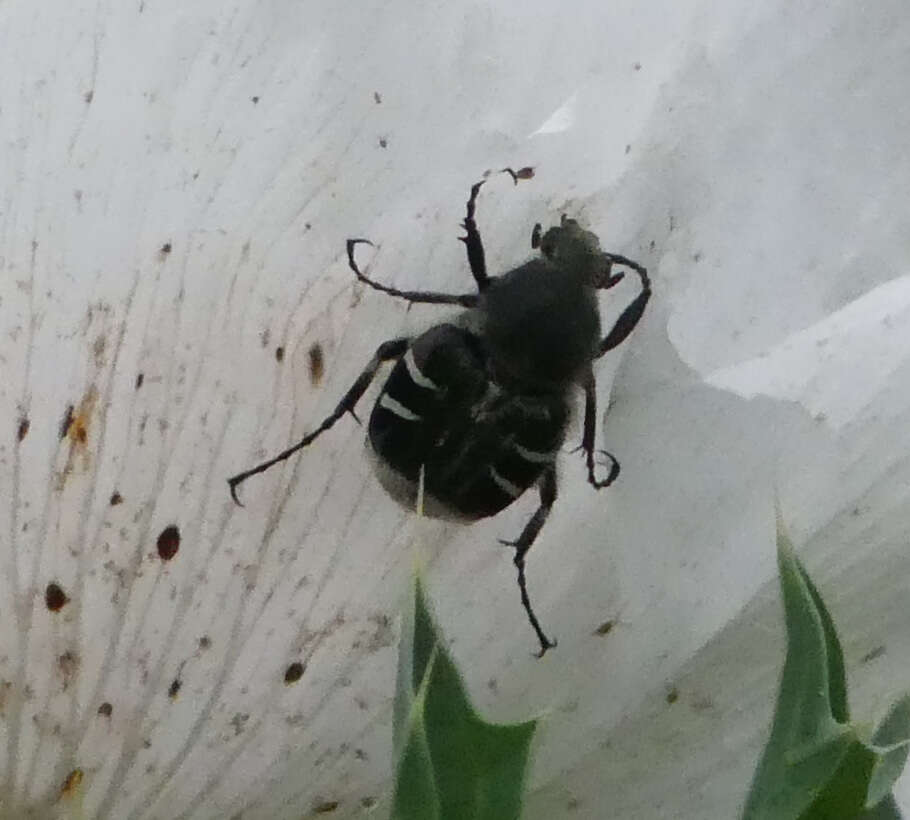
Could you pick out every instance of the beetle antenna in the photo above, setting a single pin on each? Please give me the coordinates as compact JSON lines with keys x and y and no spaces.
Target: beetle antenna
{"x":473,"y":243}
{"x":522,"y":173}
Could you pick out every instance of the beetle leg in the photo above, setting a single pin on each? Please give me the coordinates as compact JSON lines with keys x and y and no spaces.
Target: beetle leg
{"x":467,"y":300}
{"x":473,"y":243}
{"x":633,"y":313}
{"x":392,"y":349}
{"x":590,"y":431}
{"x":547,"y":488}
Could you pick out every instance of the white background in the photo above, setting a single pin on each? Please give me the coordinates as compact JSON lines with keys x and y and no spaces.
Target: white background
{"x":752,"y":156}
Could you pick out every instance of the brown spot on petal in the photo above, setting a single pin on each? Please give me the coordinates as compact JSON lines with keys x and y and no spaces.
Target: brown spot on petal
{"x":78,"y":419}
{"x":68,"y":663}
{"x":75,"y":427}
{"x":71,"y":783}
{"x":168,"y":542}
{"x":294,"y":672}
{"x":317,"y":363}
{"x":98,"y":348}
{"x":55,"y":597}
{"x":872,"y":654}
{"x":67,"y":421}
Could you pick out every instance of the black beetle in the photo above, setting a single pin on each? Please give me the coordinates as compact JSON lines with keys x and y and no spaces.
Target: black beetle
{"x":482,"y":402}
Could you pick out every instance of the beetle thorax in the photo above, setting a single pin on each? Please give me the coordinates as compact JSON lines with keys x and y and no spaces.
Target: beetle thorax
{"x":541,"y":325}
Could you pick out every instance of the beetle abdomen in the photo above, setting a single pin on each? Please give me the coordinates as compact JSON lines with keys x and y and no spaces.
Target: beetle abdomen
{"x":481,"y":446}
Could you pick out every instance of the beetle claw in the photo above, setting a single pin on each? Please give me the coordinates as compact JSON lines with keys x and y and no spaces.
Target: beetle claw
{"x":599,"y":484}
{"x":233,"y":486}
{"x":550,"y":644}
{"x":609,"y":280}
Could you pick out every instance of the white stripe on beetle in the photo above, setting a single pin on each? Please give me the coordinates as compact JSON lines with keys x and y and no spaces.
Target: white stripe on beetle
{"x":387,"y":402}
{"x":504,"y":484}
{"x":414,"y":372}
{"x":533,"y":456}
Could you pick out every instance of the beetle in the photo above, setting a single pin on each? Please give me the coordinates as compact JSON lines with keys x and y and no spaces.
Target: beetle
{"x":481,"y":403}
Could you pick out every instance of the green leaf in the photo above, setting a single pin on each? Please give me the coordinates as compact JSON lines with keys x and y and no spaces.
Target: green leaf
{"x":418,"y":640}
{"x":816,"y":766}
{"x":837,"y":675}
{"x":891,"y":737}
{"x":415,"y":793}
{"x":806,"y":745}
{"x":886,"y":810}
{"x":844,"y":795}
{"x":453,"y":765}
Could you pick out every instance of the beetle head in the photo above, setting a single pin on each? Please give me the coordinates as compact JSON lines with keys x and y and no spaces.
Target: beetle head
{"x":568,"y":245}
{"x":576,"y":251}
